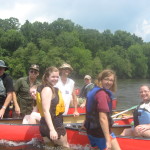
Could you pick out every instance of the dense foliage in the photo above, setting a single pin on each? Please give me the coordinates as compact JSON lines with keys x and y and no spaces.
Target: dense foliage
{"x":87,"y":50}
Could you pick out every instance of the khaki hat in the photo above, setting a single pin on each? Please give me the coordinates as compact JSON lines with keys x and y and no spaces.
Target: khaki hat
{"x":87,"y":77}
{"x":65,"y":65}
{"x":2,"y":64}
{"x":35,"y":67}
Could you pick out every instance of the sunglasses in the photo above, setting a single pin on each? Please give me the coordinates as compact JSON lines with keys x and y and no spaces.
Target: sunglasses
{"x":34,"y":71}
{"x":66,"y":69}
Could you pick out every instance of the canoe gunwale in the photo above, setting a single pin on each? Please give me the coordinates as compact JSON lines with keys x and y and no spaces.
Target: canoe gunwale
{"x":77,"y":126}
{"x":133,"y":137}
{"x":15,"y":124}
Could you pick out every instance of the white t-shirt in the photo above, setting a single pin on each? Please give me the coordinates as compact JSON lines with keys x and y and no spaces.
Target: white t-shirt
{"x":66,"y":90}
{"x":145,"y":106}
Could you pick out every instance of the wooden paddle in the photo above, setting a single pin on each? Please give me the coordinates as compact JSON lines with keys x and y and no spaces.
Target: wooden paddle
{"x":122,"y":112}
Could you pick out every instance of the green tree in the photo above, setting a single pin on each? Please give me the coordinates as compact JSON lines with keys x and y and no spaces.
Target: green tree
{"x":68,"y":40}
{"x":11,"y":40}
{"x":125,"y":39}
{"x":9,"y":24}
{"x":138,"y":60}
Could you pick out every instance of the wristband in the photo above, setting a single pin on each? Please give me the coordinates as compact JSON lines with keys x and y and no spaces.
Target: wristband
{"x":3,"y":107}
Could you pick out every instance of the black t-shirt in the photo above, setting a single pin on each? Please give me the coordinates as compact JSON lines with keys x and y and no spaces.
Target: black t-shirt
{"x":8,"y":84}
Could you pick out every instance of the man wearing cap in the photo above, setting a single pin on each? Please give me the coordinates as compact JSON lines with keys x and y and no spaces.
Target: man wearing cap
{"x":66,"y":86}
{"x":85,"y":89}
{"x":6,"y":90}
{"x":22,"y":88}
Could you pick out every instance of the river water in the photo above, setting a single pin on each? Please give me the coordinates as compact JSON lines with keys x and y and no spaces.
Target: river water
{"x":127,"y":91}
{"x":127,"y":96}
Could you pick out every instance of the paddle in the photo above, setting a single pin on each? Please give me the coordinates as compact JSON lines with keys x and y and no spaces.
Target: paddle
{"x":124,"y":111}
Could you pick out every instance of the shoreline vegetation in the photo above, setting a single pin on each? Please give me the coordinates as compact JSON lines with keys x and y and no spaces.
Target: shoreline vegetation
{"x":87,"y":50}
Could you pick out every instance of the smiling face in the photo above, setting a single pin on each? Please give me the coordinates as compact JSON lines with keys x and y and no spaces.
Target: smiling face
{"x":107,"y":82}
{"x":65,"y":72}
{"x":145,"y":93}
{"x":53,"y":78}
{"x":32,"y":92}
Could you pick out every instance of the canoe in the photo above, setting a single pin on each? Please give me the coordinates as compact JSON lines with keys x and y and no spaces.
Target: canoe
{"x":19,"y":132}
{"x":80,"y":110}
{"x":26,"y":132}
{"x":120,"y":121}
{"x":79,"y":137}
{"x":70,"y":119}
{"x":13,"y":130}
{"x":76,"y":136}
{"x":66,"y":118}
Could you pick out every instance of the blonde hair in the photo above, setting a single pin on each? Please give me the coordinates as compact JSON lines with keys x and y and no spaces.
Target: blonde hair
{"x":107,"y":73}
{"x":47,"y":73}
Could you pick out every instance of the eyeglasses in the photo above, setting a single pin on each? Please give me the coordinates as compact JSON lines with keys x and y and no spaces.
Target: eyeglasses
{"x":34,"y":71}
{"x":66,"y":69}
{"x":141,"y":92}
{"x":107,"y":79}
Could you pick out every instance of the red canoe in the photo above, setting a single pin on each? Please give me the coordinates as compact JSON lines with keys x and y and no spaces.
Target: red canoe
{"x":79,"y":137}
{"x":24,"y":133}
{"x":121,"y":121}
{"x":19,"y":132}
{"x":80,"y":110}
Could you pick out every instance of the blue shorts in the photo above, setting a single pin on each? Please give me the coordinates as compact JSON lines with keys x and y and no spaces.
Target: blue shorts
{"x":99,"y":142}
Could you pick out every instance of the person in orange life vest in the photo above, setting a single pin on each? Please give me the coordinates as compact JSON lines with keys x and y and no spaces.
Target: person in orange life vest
{"x":6,"y":90}
{"x":51,"y":106}
{"x":98,"y":120}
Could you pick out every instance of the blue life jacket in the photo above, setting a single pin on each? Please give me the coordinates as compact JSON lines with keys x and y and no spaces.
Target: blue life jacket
{"x":141,"y":116}
{"x":92,"y":116}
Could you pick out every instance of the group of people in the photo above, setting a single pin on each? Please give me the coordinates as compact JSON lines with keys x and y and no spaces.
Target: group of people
{"x":46,"y":102}
{"x":43,"y":103}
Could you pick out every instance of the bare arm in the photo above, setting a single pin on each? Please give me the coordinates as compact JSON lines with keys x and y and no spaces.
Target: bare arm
{"x":105,"y":127}
{"x":6,"y":103}
{"x":83,"y":104}
{"x":17,"y":108}
{"x":46,"y":95}
{"x":75,"y":103}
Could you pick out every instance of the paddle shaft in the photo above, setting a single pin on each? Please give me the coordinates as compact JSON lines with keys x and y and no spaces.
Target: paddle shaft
{"x":124,"y":111}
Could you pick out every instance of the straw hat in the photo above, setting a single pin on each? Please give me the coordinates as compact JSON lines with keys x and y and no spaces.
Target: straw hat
{"x":87,"y":77}
{"x":65,"y":65}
